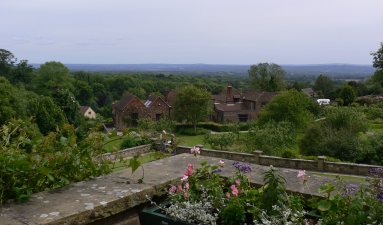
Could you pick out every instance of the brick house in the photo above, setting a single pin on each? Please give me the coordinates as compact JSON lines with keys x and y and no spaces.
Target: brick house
{"x":234,"y":106}
{"x":130,"y":109}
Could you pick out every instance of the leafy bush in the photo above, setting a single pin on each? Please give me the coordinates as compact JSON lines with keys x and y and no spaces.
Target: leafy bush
{"x":322,"y":140}
{"x":30,"y":163}
{"x":372,"y":149}
{"x":337,"y":135}
{"x":223,"y":140}
{"x":271,"y":138}
{"x":292,"y":106}
{"x":133,"y":140}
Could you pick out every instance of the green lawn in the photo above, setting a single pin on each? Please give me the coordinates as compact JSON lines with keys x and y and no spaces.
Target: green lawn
{"x":192,"y":140}
{"x":346,"y":178}
{"x":145,"y":158}
{"x":113,"y":144}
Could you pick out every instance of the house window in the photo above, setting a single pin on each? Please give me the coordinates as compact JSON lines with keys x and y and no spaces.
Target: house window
{"x":243,"y":117}
{"x":252,"y":105}
{"x":158,"y":116}
{"x":134,"y":119}
{"x":89,"y":112}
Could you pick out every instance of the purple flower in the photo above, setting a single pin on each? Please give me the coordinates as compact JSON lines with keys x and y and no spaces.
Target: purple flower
{"x":376,"y":172}
{"x":380,"y":196}
{"x":351,"y":189}
{"x":242,"y":167}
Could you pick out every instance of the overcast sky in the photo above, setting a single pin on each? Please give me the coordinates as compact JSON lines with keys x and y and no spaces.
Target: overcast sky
{"x":194,"y":31}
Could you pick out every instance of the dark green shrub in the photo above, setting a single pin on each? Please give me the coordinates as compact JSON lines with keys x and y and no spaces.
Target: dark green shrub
{"x":271,"y":138}
{"x":128,"y":143}
{"x":220,"y":140}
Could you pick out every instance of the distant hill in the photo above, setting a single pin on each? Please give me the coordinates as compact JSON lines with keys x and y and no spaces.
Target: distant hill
{"x":332,"y":70}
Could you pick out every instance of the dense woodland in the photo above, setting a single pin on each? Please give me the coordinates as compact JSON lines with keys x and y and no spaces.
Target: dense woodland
{"x":42,"y":129}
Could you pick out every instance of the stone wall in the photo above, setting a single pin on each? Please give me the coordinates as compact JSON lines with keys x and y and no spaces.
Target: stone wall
{"x":320,"y":164}
{"x":129,"y":152}
{"x":115,"y":199}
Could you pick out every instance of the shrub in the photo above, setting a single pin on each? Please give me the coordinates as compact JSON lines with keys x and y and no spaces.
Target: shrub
{"x":337,"y":135}
{"x":372,"y":149}
{"x":223,"y":140}
{"x":30,"y":163}
{"x":292,"y":106}
{"x":272,"y":138}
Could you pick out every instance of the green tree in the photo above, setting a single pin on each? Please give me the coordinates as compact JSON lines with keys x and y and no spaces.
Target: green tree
{"x":347,"y":94}
{"x":48,"y":116}
{"x":292,"y":106}
{"x":7,"y":60}
{"x":83,"y":92}
{"x":376,"y":82}
{"x":192,"y":104}
{"x":378,"y":58}
{"x":324,"y":85}
{"x":68,"y":104}
{"x":337,"y":135}
{"x":21,"y":73}
{"x":11,"y":105}
{"x":52,"y":76}
{"x":267,"y":77}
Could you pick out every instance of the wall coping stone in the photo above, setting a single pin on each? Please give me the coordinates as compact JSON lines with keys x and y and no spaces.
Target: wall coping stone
{"x":88,"y":201}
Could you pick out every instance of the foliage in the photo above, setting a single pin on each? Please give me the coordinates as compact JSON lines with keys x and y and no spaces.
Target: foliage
{"x":7,"y":59}
{"x":164,"y":124}
{"x":324,"y":85}
{"x":372,"y":149}
{"x":267,"y":77}
{"x":222,"y":140}
{"x":133,"y":139}
{"x":134,"y":164}
{"x":291,"y":106}
{"x":336,"y":135}
{"x":52,"y":76}
{"x":69,"y":105}
{"x":378,"y":58}
{"x":347,"y":94}
{"x":352,"y":204}
{"x":271,"y":138}
{"x":30,"y":163}
{"x":48,"y":116}
{"x":192,"y":104}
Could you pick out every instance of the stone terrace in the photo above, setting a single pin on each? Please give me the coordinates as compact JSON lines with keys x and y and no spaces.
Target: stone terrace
{"x":116,"y":198}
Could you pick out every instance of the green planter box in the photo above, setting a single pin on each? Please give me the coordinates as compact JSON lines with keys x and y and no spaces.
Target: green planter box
{"x":153,"y":216}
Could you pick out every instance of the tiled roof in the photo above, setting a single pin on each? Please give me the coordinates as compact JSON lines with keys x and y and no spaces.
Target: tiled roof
{"x":83,"y":108}
{"x":124,"y":101}
{"x":259,"y":96}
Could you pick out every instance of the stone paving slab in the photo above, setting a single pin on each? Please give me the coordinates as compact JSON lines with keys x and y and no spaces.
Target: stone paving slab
{"x":88,"y":201}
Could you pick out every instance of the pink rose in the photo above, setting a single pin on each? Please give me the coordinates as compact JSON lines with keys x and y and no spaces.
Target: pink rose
{"x":172,"y":189}
{"x":234,"y":190}
{"x":184,"y":178}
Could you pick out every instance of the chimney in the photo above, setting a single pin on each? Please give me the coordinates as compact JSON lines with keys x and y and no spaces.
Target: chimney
{"x":229,"y":94}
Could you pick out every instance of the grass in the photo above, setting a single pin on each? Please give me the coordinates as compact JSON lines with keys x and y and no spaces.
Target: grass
{"x":144,"y":158}
{"x":113,"y":144}
{"x":192,"y":140}
{"x":346,"y":178}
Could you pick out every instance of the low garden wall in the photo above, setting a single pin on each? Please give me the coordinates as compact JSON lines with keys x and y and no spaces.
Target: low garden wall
{"x":129,"y":152}
{"x":116,"y":199}
{"x":319,"y":165}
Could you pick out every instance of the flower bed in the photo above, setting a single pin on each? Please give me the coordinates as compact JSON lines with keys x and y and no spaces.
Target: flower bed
{"x":204,"y":197}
